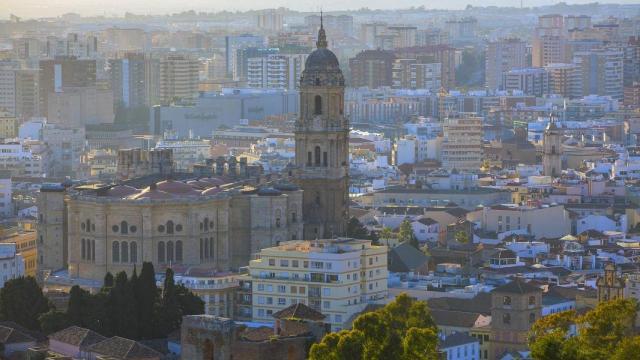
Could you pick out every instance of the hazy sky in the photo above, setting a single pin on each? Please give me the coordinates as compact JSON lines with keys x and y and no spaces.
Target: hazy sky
{"x":42,"y":8}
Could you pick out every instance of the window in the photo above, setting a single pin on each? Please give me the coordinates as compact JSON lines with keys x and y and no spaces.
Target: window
{"x":309,"y":158}
{"x":294,"y":289}
{"x":532,"y":300}
{"x":211,"y":248}
{"x":282,"y":289}
{"x":294,"y":263}
{"x":124,"y":252}
{"x":317,"y":155}
{"x":201,"y":249}
{"x":161,"y":252}
{"x":282,"y":301}
{"x":326,"y":304}
{"x":169,"y":227}
{"x":325,"y":161}
{"x":338,"y":318}
{"x":179,"y":251}
{"x":284,"y":263}
{"x":272,"y":262}
{"x":205,"y":224}
{"x":83,"y":249}
{"x":206,"y":248}
{"x":260,"y":287}
{"x":506,"y":319}
{"x":115,"y":252}
{"x":170,"y":251}
{"x":133,"y":252}
{"x":532,"y":318}
{"x":506,"y":300}
{"x":326,"y":292}
{"x":317,"y":110}
{"x":124,"y":228}
{"x":294,"y":217}
{"x":93,"y":250}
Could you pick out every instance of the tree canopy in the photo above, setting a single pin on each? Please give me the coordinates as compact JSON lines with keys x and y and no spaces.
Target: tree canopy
{"x":403,"y":330}
{"x":605,"y":332}
{"x":133,"y":308}
{"x":22,"y":301}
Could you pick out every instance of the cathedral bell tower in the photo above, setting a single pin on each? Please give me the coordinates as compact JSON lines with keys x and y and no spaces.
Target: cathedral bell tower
{"x":552,"y":150}
{"x":322,"y":144}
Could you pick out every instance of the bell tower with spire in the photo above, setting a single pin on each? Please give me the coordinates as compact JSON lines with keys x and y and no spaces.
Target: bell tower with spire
{"x":322,"y":144}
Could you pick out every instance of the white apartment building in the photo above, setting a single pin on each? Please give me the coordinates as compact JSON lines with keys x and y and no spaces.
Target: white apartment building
{"x":275,"y":71}
{"x":462,"y":144}
{"x":18,"y":159}
{"x":337,"y":277}
{"x":542,"y":222}
{"x":11,"y":263}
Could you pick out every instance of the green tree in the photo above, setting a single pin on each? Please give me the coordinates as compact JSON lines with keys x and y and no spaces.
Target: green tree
{"x":53,"y":321}
{"x":124,"y":310}
{"x":22,"y":301}
{"x":404,"y":329}
{"x":602,"y":333}
{"x":108,"y":280}
{"x":170,"y":312}
{"x":461,"y":237}
{"x":147,"y":299}
{"x":406,"y":234}
{"x":190,"y":303}
{"x":386,"y":233}
{"x":78,"y":307}
{"x":356,"y":230}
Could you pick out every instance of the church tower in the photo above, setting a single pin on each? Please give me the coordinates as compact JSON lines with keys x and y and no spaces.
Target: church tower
{"x":552,"y":150}
{"x":322,"y":144}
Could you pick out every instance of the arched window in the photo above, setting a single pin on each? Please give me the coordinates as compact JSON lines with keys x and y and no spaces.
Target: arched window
{"x":93,"y":250}
{"x":169,"y":227}
{"x":133,"y":252}
{"x":325,"y":159}
{"x":506,"y":318}
{"x":317,"y":110}
{"x":201,"y":249}
{"x":179,"y":251}
{"x":88,"y":225}
{"x":124,"y":251}
{"x":317,"y":155}
{"x":309,"y":158}
{"x":115,"y":252}
{"x":206,"y":224}
{"x":170,"y":251}
{"x":161,"y":252}
{"x":294,"y":217}
{"x":83,"y":251}
{"x":206,"y":248}
{"x":124,"y":227}
{"x":211,"y":248}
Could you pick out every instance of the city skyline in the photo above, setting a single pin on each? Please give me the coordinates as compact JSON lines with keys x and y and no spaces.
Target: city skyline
{"x":36,"y":9}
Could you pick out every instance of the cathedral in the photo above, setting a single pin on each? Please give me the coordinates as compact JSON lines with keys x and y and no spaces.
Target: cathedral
{"x":322,"y":145}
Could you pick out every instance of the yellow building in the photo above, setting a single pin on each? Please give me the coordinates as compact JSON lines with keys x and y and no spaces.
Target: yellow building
{"x":25,"y":245}
{"x":337,"y":277}
{"x":8,"y":127}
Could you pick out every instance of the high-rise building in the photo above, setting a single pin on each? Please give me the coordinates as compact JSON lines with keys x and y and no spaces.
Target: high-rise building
{"x":531,"y":81}
{"x":369,"y":32}
{"x":130,"y":78}
{"x":270,"y":20}
{"x":178,"y":78}
{"x":340,"y":25}
{"x":410,"y":74}
{"x":462,"y":30}
{"x":233,"y":43}
{"x":549,"y":45}
{"x":64,"y":72}
{"x":276,"y":71}
{"x":403,"y":36}
{"x":565,"y":79}
{"x":26,"y":47}
{"x":577,"y":22}
{"x":7,"y":91}
{"x":502,"y":56}
{"x":322,"y":145}
{"x":552,"y":150}
{"x":372,"y":69}
{"x":462,"y":143}
{"x":602,"y":72}
{"x":443,"y":54}
{"x":337,"y":277}
{"x":27,"y":93}
{"x":241,"y":69}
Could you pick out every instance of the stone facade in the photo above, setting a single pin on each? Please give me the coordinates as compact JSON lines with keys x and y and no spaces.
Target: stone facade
{"x":51,"y":241}
{"x":322,"y":145}
{"x":133,"y":163}
{"x":552,"y":151}
{"x":113,"y":229}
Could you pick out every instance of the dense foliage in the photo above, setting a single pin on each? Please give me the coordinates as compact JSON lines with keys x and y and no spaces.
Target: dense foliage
{"x":22,"y":301}
{"x":404,"y":329}
{"x":356,"y":230}
{"x":134,"y":307}
{"x":605,"y":332}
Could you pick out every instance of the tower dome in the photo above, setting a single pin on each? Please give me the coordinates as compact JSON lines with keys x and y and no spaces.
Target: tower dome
{"x":322,"y":67}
